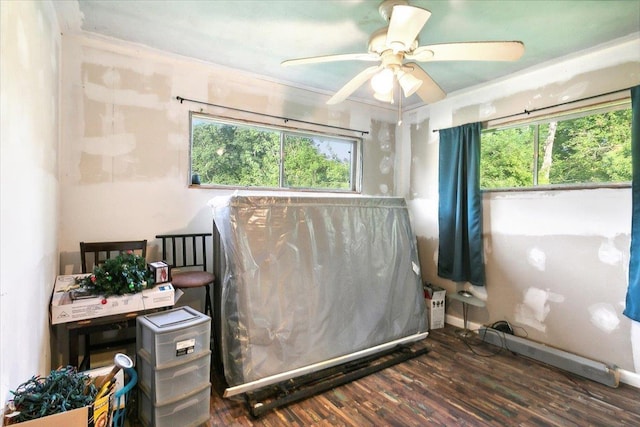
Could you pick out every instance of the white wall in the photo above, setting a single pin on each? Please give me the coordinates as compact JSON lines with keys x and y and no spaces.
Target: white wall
{"x":556,"y":261}
{"x":29,"y":73}
{"x":125,"y":138}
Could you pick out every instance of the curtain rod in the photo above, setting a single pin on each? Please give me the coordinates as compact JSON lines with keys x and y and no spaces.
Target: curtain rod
{"x":286,"y":119}
{"x":553,"y":106}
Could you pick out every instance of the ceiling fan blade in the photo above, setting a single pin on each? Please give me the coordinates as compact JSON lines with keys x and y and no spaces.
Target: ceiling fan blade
{"x":332,"y":58}
{"x":353,"y":84}
{"x":469,"y":51}
{"x":405,"y":25}
{"x":429,"y":91}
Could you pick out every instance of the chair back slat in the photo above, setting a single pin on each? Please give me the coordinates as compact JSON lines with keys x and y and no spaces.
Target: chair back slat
{"x":102,"y":251}
{"x":185,"y":250}
{"x":194,"y":251}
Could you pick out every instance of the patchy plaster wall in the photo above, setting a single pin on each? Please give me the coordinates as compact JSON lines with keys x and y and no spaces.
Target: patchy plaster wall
{"x":29,"y":81}
{"x":125,"y":145}
{"x":556,"y":261}
{"x":380,"y":160}
{"x":563,"y":280}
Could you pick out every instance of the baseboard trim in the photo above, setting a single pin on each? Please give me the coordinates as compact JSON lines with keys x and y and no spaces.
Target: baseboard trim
{"x":626,"y":377}
{"x":459,"y":323}
{"x":629,"y":378}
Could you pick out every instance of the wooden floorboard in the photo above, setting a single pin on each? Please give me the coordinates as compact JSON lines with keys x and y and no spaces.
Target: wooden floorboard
{"x":455,"y":384}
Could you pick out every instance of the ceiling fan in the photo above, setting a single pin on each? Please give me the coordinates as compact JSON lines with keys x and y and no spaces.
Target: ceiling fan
{"x":398,"y":42}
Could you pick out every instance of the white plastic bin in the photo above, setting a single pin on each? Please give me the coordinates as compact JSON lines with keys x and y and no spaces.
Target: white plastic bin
{"x":172,"y":336}
{"x":173,"y":381}
{"x":190,"y":411}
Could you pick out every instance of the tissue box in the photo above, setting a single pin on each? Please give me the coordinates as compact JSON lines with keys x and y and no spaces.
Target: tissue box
{"x":159,"y":271}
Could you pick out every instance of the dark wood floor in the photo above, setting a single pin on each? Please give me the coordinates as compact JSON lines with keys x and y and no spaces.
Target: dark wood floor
{"x":453,"y":386}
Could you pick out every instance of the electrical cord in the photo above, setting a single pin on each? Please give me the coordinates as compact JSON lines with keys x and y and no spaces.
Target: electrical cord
{"x":481,"y":334}
{"x":501,"y":328}
{"x":476,"y":339}
{"x":525,"y":334}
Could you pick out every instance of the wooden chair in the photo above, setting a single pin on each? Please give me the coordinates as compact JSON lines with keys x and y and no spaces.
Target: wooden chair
{"x":93,"y":254}
{"x":186,"y":255}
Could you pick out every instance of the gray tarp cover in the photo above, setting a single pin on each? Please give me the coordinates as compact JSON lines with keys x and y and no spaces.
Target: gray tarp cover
{"x":308,"y":279}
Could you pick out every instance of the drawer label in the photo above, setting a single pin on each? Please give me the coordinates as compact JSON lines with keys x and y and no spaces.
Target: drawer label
{"x":185,"y":347}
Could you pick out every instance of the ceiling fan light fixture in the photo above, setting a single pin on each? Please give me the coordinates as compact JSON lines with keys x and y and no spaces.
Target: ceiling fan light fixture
{"x":409,"y":83}
{"x":384,"y":97}
{"x":382,"y":82}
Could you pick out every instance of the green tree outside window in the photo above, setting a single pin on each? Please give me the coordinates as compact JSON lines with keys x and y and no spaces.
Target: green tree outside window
{"x":231,"y":154}
{"x":595,"y":148}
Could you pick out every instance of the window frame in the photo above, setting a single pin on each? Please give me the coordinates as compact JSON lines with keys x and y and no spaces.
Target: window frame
{"x":561,"y":115}
{"x":356,"y":155}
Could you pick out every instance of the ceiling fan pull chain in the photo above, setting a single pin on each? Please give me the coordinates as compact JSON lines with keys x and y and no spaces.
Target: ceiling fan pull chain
{"x":399,"y":105}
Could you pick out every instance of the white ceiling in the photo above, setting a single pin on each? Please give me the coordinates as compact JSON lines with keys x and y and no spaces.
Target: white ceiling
{"x":257,"y":35}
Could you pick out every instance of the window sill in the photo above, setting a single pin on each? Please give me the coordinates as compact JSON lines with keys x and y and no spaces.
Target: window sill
{"x":276,"y":190}
{"x":560,"y":187}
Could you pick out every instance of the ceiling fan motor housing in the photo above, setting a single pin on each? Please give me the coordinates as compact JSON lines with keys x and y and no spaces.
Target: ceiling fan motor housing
{"x":386,"y":7}
{"x":378,"y":42}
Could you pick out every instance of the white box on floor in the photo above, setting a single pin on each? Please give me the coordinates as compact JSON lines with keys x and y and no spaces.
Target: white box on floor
{"x":435,"y":300}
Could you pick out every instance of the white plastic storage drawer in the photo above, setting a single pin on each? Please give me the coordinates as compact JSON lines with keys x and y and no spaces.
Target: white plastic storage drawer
{"x":173,"y":381}
{"x":191,"y":411}
{"x":173,"y":335}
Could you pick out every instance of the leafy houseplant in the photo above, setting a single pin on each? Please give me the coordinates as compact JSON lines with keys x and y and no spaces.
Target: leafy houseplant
{"x":125,"y":274}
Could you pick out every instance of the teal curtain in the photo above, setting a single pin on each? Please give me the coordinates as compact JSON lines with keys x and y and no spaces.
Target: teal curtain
{"x":460,"y":256}
{"x":632,"y":308}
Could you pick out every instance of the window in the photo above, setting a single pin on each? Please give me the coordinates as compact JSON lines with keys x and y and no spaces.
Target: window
{"x":227,"y":153}
{"x":592,"y":147}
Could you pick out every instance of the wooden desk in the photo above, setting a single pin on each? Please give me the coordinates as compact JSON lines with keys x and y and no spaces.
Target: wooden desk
{"x":99,"y":324}
{"x":123,"y":311}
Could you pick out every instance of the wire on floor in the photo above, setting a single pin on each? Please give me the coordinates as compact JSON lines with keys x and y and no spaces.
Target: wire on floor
{"x":500,"y":328}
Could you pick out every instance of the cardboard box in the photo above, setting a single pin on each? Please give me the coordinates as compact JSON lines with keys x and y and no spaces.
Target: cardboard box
{"x":69,"y":305}
{"x":162,"y":295}
{"x":102,"y":411}
{"x":160,"y":271}
{"x":119,"y":380}
{"x":97,"y":415}
{"x":435,"y":300}
{"x":77,"y":417}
